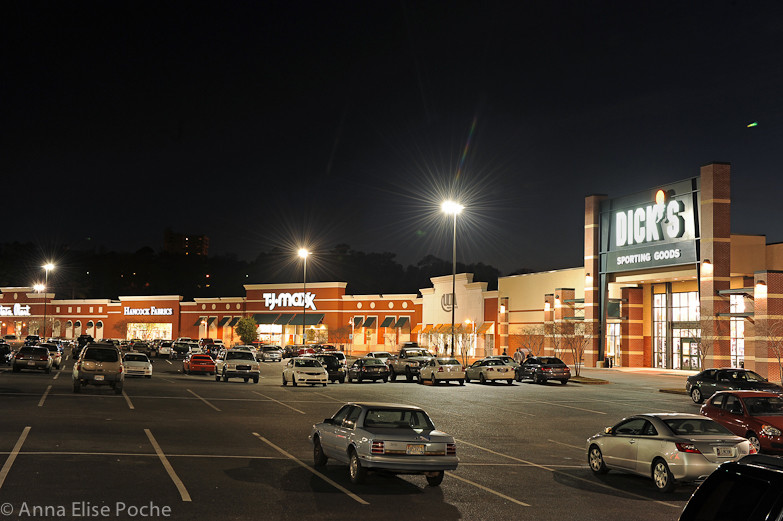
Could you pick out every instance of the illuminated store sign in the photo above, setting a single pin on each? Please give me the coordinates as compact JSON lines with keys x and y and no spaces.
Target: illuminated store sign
{"x":17,"y":310}
{"x":290,"y":300}
{"x":148,"y":311}
{"x":645,"y":231}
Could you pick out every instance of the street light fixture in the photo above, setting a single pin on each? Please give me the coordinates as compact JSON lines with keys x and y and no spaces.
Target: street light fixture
{"x":303,"y":253}
{"x":453,"y":208}
{"x":47,"y":268}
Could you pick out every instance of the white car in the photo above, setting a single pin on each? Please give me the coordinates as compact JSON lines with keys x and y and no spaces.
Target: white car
{"x":237,"y":363}
{"x":164,"y":348}
{"x":442,"y":370}
{"x":137,"y":364}
{"x":304,"y":370}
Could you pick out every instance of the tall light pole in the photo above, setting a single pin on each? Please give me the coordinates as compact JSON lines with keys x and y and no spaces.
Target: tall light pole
{"x":38,"y":289}
{"x":303,"y":253}
{"x":47,"y":268}
{"x":453,"y":208}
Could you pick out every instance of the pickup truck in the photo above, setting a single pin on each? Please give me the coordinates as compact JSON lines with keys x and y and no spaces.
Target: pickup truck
{"x":408,"y":362}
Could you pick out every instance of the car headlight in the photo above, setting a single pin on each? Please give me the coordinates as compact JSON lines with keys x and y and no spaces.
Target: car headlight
{"x":414,"y":364}
{"x":769,"y":430}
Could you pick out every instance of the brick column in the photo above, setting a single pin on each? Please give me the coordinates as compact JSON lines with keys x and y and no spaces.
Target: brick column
{"x":593,"y":319}
{"x":549,"y":319}
{"x":632,"y":328}
{"x":768,"y":318}
{"x":715,"y":221}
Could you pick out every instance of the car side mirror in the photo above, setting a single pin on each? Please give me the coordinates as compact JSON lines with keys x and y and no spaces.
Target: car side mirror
{"x":328,"y":420}
{"x":609,"y":430}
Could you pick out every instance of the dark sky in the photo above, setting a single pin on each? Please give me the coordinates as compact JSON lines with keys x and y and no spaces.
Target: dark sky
{"x":271,"y":125}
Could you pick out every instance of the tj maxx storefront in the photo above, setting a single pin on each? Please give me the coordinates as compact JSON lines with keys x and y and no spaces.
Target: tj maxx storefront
{"x":664,"y":281}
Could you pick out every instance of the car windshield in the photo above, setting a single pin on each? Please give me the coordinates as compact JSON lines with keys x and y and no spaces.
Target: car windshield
{"x":382,"y":354}
{"x":239,"y":355}
{"x":373,"y":361}
{"x":329,"y":361}
{"x":416,"y":352}
{"x":53,"y":349}
{"x":765,"y":406}
{"x":201,"y":357}
{"x":307,"y":363}
{"x":101,"y":355}
{"x":549,"y":360}
{"x":494,"y":362}
{"x":136,"y":358}
{"x":397,"y":419}
{"x":271,"y":348}
{"x":448,"y":361}
{"x":695,"y":427}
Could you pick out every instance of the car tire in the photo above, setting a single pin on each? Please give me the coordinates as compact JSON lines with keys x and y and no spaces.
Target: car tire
{"x":661,"y":475}
{"x":467,"y":379}
{"x":319,"y":458}
{"x":433,"y":380}
{"x":247,"y":380}
{"x":15,"y":369}
{"x":595,"y":459}
{"x":48,"y":370}
{"x":696,"y":395}
{"x":350,"y":380}
{"x":482,"y":379}
{"x":385,"y":379}
{"x":510,"y":382}
{"x":118,"y":389}
{"x":392,"y":374}
{"x":754,"y":441}
{"x":408,"y":374}
{"x":461,"y":382}
{"x":563,"y":382}
{"x":539,"y":379}
{"x":435,"y":480}
{"x":293,"y":381}
{"x":147,"y":376}
{"x":284,"y":382}
{"x":255,"y":379}
{"x":217,"y":377}
{"x":356,"y":472}
{"x":324,"y":385}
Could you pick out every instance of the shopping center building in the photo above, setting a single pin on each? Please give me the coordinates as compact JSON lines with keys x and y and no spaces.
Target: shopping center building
{"x":664,"y":284}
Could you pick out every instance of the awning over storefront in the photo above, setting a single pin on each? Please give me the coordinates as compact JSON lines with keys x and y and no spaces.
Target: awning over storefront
{"x":210,"y":320}
{"x":417,"y":329}
{"x":310,"y":319}
{"x":357,"y":322}
{"x":265,"y":318}
{"x":234,"y":321}
{"x":284,"y":319}
{"x":402,"y":322}
{"x":370,"y":322}
{"x":438,"y":329}
{"x":427,"y":329}
{"x":198,"y":322}
{"x":388,"y":322}
{"x":223,"y":321}
{"x":484,"y":328}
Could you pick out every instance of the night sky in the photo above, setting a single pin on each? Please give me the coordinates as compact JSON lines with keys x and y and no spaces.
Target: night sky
{"x":272,"y":125}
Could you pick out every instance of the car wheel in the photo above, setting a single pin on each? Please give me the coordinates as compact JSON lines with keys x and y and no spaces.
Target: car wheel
{"x":754,"y":441}
{"x":255,"y":379}
{"x":385,"y":379}
{"x":319,"y":458}
{"x":482,"y":379}
{"x":408,"y":374}
{"x":293,"y":381}
{"x":392,"y":374}
{"x":350,"y":380}
{"x":461,"y":382}
{"x":357,"y":473}
{"x":225,"y":376}
{"x":467,"y":379}
{"x":435,"y":480}
{"x":359,"y":379}
{"x":147,"y":376}
{"x":563,"y":382}
{"x":510,"y":382}
{"x":434,"y":382}
{"x":247,"y":380}
{"x":696,"y":395}
{"x":662,"y":476}
{"x":118,"y":389}
{"x":539,"y":379}
{"x":324,"y":385}
{"x":596,"y":460}
{"x":48,"y":370}
{"x":15,"y":369}
{"x":284,"y":382}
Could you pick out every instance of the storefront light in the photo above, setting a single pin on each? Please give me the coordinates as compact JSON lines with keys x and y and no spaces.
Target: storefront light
{"x":761,"y":289}
{"x":546,"y":306}
{"x":588,"y":279}
{"x":706,"y":267}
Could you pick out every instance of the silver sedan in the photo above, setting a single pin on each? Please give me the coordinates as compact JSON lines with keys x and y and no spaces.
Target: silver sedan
{"x":399,"y":439}
{"x":668,"y":448}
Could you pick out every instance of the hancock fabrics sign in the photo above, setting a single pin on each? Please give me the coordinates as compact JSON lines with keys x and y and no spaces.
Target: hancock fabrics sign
{"x":289,"y":300}
{"x":17,"y":310}
{"x":653,"y":229}
{"x":150,"y":311}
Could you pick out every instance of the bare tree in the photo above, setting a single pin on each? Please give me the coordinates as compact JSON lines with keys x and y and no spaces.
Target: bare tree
{"x":772,"y":333}
{"x":529,"y":339}
{"x":555,"y":331}
{"x":575,"y":339}
{"x":341,"y":335}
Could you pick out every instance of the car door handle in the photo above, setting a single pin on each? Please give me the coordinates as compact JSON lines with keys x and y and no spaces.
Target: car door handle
{"x":632,"y":442}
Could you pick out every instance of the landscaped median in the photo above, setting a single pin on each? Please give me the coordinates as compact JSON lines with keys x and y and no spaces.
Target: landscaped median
{"x":674,"y":391}
{"x":587,"y":380}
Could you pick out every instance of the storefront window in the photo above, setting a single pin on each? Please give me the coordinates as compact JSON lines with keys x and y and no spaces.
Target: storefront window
{"x":148,"y":330}
{"x":659,"y":330}
{"x":737,"y":332}
{"x":613,"y":344}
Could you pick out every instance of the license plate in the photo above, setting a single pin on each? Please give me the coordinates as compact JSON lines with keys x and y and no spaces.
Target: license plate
{"x":415,"y":449}
{"x":98,"y":377}
{"x":724,"y":452}
{"x":31,"y":363}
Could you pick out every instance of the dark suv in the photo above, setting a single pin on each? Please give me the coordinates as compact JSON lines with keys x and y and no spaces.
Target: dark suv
{"x":750,"y":489}
{"x":99,"y":364}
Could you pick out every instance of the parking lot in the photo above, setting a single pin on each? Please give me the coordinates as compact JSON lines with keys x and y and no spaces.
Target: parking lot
{"x":187,"y":447}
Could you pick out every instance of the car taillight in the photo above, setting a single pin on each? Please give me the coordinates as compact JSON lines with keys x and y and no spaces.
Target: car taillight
{"x":120,"y":370}
{"x":42,"y":357}
{"x":451,"y":449}
{"x":752,"y":450}
{"x":440,"y":369}
{"x":377,"y":447}
{"x":546,"y":368}
{"x":687,"y":447}
{"x":490,"y":368}
{"x":78,"y":366}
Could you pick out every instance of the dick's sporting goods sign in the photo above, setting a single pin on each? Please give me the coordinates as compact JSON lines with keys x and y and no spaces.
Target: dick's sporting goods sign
{"x":651,"y":229}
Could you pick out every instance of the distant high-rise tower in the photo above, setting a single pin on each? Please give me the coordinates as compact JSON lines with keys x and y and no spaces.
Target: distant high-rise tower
{"x":184,"y":244}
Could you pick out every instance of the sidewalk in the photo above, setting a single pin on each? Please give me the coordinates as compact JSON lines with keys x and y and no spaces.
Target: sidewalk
{"x":644,"y":370}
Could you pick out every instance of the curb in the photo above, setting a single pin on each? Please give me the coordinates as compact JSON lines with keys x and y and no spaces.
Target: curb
{"x":673,"y":391}
{"x":589,"y":381}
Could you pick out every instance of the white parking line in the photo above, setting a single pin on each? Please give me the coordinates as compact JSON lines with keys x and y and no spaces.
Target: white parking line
{"x":486,"y":489}
{"x":278,"y":401}
{"x":567,"y":445}
{"x":202,"y":399}
{"x":12,"y":457}
{"x":566,"y":406}
{"x":169,"y":362}
{"x":127,"y":399}
{"x":308,"y":467}
{"x":183,"y":492}
{"x":57,"y":375}
{"x":45,"y":394}
{"x":327,"y":396}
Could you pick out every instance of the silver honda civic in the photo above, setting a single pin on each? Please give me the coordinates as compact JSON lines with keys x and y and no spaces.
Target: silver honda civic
{"x":668,"y":448}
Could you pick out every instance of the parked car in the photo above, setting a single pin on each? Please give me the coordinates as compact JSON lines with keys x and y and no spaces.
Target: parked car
{"x":55,"y":353}
{"x":305,"y":370}
{"x":440,"y":370}
{"x":750,"y":489}
{"x":237,"y":363}
{"x":668,"y":447}
{"x":710,"y":381}
{"x":506,"y":360}
{"x":5,"y":353}
{"x":270,"y":353}
{"x":398,"y":439}
{"x":32,"y":357}
{"x":305,"y":351}
{"x":368,"y":369}
{"x":99,"y":364}
{"x":32,"y":340}
{"x":382,"y":355}
{"x":333,"y":367}
{"x":755,"y":415}
{"x":341,"y":357}
{"x":137,"y":364}
{"x":198,"y":364}
{"x":540,"y":369}
{"x":179,"y":350}
{"x":290,"y":351}
{"x":489,"y":370}
{"x":164,"y":348}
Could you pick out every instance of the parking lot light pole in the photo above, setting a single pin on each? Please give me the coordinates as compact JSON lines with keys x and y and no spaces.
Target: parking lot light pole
{"x":47,"y":268}
{"x":303,"y":253}
{"x":453,"y":208}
